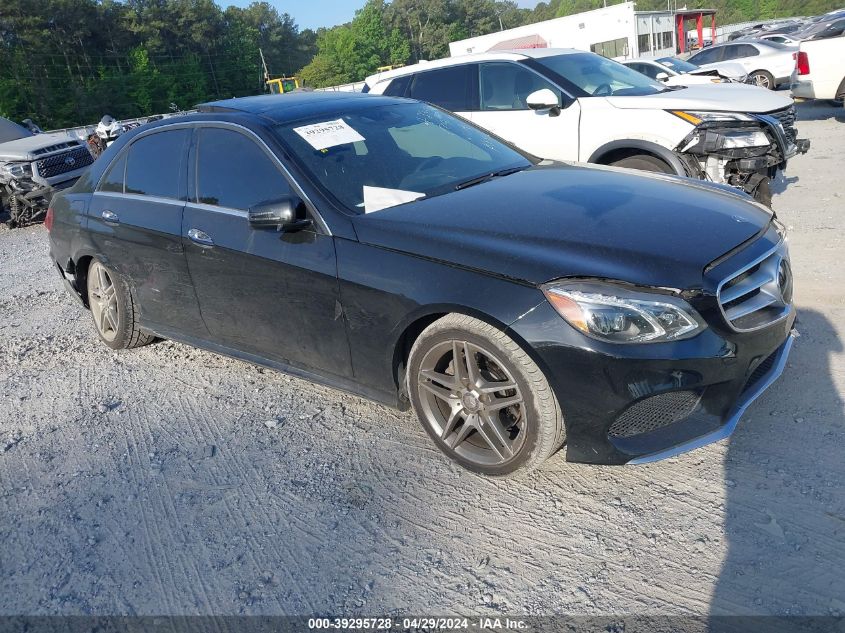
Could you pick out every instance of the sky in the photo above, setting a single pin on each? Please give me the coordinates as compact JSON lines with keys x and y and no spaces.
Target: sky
{"x":312,"y":14}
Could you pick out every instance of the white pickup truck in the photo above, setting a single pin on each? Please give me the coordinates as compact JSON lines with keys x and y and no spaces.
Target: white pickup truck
{"x":820,"y":69}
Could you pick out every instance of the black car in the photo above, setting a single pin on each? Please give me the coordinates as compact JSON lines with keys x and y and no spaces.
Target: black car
{"x":385,"y":247}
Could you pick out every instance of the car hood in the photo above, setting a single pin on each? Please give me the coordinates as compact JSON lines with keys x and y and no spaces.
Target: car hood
{"x":573,"y":221}
{"x":718,"y":97}
{"x":24,"y":148}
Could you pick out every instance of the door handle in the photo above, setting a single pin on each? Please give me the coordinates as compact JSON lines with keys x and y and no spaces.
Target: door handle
{"x":110,"y":217}
{"x":200,"y":237}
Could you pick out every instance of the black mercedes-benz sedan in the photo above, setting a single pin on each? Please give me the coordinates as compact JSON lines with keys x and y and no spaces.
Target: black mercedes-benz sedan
{"x":385,"y":247}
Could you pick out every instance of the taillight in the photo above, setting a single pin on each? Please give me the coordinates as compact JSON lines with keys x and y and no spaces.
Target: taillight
{"x":48,"y":219}
{"x":803,"y":63}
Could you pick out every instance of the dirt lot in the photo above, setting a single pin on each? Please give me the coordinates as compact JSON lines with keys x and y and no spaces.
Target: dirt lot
{"x":169,"y":480}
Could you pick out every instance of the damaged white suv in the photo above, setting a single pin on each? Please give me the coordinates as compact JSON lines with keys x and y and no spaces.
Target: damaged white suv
{"x":33,"y":166}
{"x":570,"y":105}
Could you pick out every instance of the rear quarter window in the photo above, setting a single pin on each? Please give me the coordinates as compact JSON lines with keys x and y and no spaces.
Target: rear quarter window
{"x":398,"y":87}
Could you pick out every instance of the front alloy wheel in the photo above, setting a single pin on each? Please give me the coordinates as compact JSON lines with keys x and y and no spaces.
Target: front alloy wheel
{"x":472,"y":402}
{"x":481,"y":398}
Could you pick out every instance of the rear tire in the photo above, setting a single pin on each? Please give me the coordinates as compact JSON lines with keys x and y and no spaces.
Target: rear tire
{"x":488,"y":430}
{"x":763,"y":79}
{"x":113,"y":309}
{"x":644,"y":162}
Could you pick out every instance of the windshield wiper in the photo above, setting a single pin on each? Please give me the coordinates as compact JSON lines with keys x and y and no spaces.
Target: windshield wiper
{"x":485,"y":177}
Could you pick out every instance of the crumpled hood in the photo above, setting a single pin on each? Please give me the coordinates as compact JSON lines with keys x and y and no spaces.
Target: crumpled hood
{"x":727,"y":69}
{"x":712,"y":97}
{"x":573,"y":221}
{"x":23,"y":148}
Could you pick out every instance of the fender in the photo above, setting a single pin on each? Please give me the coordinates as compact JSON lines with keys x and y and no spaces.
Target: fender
{"x":647,"y":146}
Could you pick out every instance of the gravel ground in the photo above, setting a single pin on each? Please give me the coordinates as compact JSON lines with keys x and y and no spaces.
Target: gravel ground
{"x":169,"y":480}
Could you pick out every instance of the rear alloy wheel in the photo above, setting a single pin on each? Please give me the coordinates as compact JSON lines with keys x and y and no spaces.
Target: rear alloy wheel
{"x":113,"y":310}
{"x":763,"y":79}
{"x":481,"y":398}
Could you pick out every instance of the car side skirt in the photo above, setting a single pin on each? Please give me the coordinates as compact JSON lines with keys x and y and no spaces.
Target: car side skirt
{"x":390,"y":399}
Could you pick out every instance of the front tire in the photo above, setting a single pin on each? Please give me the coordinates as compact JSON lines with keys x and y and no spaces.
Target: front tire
{"x":113,"y":309}
{"x":643,"y":162}
{"x":481,"y":398}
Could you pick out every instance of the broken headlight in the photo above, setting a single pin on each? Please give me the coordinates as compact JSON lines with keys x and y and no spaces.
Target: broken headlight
{"x":698,"y":117}
{"x":617,"y":314}
{"x":17,"y":170}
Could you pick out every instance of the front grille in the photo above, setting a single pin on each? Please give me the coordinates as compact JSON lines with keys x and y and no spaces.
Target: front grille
{"x":655,"y":412}
{"x":760,"y":371}
{"x":759,"y":294}
{"x":65,"y":162}
{"x":786,"y":116}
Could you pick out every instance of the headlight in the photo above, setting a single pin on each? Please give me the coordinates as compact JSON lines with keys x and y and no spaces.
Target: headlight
{"x":17,"y":170}
{"x":696,"y":117}
{"x":618,"y":315}
{"x":744,"y":138}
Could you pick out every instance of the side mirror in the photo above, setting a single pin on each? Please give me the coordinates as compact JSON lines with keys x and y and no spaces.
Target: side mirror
{"x":661,"y":76}
{"x":543,"y":99}
{"x":283,"y":215}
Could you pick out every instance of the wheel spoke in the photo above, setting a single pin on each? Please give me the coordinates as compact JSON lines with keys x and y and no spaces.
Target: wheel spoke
{"x":443,"y":379}
{"x":103,"y":279}
{"x":473,"y":371}
{"x":458,"y":365}
{"x":97,"y":312}
{"x":469,"y":424}
{"x":493,"y":426}
{"x":491,"y":387}
{"x":490,"y":435}
{"x":111,"y":319}
{"x":501,"y":403}
{"x":454,"y":416}
{"x":440,"y":392}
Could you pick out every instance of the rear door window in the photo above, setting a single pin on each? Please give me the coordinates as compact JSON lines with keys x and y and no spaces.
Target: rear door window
{"x":234,"y":172}
{"x":156,"y":164}
{"x":450,"y":88}
{"x":707,"y":56}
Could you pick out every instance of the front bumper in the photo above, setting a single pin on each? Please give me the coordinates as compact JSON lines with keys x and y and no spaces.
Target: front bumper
{"x":756,"y":385}
{"x":641,"y":403}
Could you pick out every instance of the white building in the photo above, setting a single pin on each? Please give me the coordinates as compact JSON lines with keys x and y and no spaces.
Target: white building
{"x":617,"y":31}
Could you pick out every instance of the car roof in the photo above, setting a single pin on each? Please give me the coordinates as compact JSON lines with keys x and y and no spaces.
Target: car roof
{"x":489,"y":56}
{"x":297,"y":105}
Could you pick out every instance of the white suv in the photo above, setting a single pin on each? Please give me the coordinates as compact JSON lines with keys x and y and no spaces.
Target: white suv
{"x":572,"y":105}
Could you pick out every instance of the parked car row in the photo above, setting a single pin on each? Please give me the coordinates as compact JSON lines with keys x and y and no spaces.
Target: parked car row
{"x":569,"y":105}
{"x":795,"y":30}
{"x":384,"y":246}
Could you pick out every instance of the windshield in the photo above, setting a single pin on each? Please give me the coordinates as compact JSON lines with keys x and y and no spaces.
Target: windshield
{"x":373,"y":158}
{"x":599,"y":76}
{"x":10,"y":131}
{"x":678,"y":65}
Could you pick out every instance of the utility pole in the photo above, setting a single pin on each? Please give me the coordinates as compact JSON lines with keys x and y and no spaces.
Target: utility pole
{"x":264,"y":65}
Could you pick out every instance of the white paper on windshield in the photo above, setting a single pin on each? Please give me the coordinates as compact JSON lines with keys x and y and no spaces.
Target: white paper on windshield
{"x":328,"y":134}
{"x":378,"y":198}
